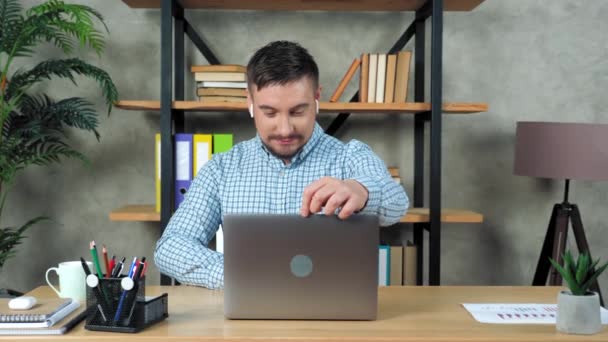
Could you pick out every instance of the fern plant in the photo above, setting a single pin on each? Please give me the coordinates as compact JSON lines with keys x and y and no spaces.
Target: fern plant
{"x":33,"y":124}
{"x":579,"y":275}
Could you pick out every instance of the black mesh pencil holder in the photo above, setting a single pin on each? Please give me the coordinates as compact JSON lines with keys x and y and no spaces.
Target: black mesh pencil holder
{"x":119,"y":305}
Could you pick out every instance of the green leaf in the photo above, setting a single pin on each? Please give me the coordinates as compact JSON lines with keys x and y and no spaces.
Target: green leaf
{"x":65,"y":68}
{"x":582,"y":267}
{"x":567,"y":276}
{"x":10,"y":21}
{"x":10,"y":237}
{"x":585,"y":286}
{"x":46,"y":20}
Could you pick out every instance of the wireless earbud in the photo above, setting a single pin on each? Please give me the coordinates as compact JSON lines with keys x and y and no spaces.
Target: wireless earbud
{"x":251,"y":110}
{"x":317,"y":102}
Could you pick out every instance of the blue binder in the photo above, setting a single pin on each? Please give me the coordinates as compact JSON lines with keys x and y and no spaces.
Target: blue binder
{"x":183,"y":166}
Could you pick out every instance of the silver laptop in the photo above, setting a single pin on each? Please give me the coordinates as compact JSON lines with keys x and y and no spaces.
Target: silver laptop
{"x":290,"y":267}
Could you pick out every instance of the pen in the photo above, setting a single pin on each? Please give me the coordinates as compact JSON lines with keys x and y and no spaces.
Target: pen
{"x":104,"y":251}
{"x":87,"y":271}
{"x":137,"y":275}
{"x":112,"y":264}
{"x":145,"y":268}
{"x":118,"y":268}
{"x":140,"y":269}
{"x":124,"y":292}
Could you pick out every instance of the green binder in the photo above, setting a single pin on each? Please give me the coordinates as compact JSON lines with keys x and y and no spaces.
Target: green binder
{"x":222,"y":143}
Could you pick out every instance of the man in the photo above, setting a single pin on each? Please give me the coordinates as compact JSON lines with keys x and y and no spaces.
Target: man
{"x":290,"y":167}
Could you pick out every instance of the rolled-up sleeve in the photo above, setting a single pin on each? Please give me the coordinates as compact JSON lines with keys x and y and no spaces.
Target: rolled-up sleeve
{"x":182,"y":251}
{"x":386,"y":198}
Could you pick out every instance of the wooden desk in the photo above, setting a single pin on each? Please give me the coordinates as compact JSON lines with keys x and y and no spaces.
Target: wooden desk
{"x":405,"y":314}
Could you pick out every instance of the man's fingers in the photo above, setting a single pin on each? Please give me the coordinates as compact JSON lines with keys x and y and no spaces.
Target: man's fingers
{"x":309,"y":191}
{"x":334,"y":202}
{"x":320,"y":198}
{"x":349,"y":208}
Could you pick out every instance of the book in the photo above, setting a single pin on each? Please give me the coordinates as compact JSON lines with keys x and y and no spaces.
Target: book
{"x":402,"y":76}
{"x":396,"y":274}
{"x":410,"y":271}
{"x":389,"y":88}
{"x":213,"y":84}
{"x":60,"y":328}
{"x":220,"y":76}
{"x":222,"y":99}
{"x":371,"y":80}
{"x":384,"y":265}
{"x":219,"y":68}
{"x":43,"y":310}
{"x":345,"y":80}
{"x":53,"y":312}
{"x":221,"y":92}
{"x":394,"y":171}
{"x":380,"y":78}
{"x":363,"y":78}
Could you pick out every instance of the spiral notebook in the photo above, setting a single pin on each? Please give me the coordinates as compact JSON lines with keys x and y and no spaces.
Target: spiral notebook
{"x":61,"y":327}
{"x":45,"y":313}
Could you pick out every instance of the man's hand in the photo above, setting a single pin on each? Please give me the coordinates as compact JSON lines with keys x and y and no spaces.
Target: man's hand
{"x":332,"y":193}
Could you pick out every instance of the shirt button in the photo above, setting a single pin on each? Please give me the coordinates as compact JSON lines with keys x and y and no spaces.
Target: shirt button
{"x":282,"y":173}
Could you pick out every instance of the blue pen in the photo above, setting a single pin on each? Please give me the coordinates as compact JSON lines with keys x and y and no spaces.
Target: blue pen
{"x":124,"y":292}
{"x":136,"y":276}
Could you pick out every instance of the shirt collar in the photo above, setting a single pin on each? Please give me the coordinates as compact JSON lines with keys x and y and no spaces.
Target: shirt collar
{"x":317,"y":132}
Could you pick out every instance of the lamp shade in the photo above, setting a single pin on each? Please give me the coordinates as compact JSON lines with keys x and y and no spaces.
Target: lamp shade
{"x":562,"y":150}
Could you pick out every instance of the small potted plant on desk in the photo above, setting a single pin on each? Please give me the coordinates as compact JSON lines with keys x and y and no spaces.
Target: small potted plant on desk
{"x":578,"y":310}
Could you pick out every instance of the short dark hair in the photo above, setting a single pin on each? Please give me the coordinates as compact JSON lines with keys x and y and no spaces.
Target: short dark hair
{"x":279,"y":63}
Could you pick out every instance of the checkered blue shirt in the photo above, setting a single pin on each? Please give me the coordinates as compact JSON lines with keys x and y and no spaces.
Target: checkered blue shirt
{"x":249,"y":179}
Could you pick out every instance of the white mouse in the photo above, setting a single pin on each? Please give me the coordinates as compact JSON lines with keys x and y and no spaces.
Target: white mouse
{"x":22,"y":303}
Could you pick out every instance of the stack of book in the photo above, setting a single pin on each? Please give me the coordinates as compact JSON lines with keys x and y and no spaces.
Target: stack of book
{"x":384,"y":77}
{"x":50,"y":316}
{"x":397,"y":265}
{"x":220,"y":83}
{"x":395,"y":174}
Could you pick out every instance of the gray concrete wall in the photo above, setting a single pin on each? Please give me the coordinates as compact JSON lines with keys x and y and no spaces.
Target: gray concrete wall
{"x":530,"y":60}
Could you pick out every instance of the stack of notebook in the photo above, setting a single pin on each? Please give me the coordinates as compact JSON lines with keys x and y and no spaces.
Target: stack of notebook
{"x":50,"y":316}
{"x":220,"y":83}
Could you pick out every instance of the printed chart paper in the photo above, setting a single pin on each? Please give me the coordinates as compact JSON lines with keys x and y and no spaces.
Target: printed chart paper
{"x":518,"y":313}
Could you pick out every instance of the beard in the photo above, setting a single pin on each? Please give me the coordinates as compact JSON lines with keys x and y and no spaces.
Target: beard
{"x":281,"y":154}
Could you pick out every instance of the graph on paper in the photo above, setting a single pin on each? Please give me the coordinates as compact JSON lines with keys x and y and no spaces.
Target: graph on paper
{"x":518,"y":313}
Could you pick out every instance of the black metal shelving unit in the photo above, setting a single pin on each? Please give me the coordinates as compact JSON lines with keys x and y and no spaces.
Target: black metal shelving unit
{"x":174,"y":29}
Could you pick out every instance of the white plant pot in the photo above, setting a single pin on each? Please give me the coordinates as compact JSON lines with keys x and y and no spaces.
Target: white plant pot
{"x":578,"y":314}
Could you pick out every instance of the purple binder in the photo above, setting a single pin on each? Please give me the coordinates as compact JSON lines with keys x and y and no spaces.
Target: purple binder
{"x":183,"y":166}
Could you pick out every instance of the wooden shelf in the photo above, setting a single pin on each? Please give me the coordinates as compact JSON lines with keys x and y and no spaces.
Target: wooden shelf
{"x":138,"y":212}
{"x":306,"y":5}
{"x":417,"y":215}
{"x":135,"y":212}
{"x":324,"y":107}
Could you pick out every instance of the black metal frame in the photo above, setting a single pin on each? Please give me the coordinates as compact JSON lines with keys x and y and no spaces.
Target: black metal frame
{"x":174,"y":26}
{"x":554,"y":244}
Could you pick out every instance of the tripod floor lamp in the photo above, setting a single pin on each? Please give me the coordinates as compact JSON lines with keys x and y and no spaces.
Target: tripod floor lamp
{"x":564,"y":151}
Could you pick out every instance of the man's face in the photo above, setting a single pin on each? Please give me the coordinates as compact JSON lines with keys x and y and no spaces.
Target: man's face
{"x":285,"y":115}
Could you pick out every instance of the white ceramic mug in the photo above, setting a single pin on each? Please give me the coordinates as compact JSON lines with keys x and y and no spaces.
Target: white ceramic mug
{"x":72,"y":280}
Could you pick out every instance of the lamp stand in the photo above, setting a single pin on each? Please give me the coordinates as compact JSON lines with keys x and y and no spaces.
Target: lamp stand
{"x":554,"y":245}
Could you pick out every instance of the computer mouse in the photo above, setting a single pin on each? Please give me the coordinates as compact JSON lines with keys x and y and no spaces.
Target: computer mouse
{"x":22,"y":303}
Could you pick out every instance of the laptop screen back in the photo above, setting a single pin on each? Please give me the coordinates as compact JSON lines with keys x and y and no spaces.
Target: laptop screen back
{"x":290,"y":267}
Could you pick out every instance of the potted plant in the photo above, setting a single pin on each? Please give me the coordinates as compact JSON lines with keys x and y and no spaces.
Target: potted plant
{"x":578,"y":310}
{"x":33,"y":125}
